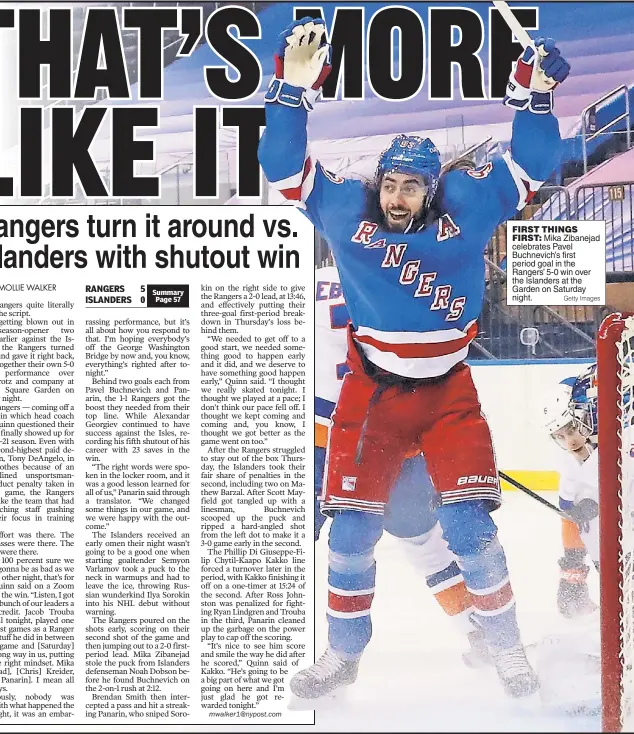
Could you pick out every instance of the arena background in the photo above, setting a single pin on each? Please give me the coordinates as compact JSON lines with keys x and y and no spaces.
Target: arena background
{"x":594,"y":181}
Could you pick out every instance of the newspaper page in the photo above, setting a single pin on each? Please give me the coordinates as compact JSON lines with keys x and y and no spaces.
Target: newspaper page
{"x":156,"y":453}
{"x":413,"y":220}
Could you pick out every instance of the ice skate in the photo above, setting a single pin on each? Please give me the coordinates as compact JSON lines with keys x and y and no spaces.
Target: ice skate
{"x":477,"y":656}
{"x":514,"y":671}
{"x":330,"y":673}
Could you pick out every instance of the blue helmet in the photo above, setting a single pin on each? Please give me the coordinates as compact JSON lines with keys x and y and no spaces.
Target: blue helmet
{"x":583,"y":399}
{"x":411,"y":154}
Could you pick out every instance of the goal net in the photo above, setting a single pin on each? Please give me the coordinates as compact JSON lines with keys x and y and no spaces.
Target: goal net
{"x":615,"y":378}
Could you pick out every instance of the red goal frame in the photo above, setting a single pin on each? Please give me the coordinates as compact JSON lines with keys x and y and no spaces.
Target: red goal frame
{"x":610,"y":516}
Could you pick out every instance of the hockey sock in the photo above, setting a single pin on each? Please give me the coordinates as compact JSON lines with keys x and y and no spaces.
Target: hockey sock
{"x":472,"y":536}
{"x":351,"y":574}
{"x":486,"y":577}
{"x":431,"y":556}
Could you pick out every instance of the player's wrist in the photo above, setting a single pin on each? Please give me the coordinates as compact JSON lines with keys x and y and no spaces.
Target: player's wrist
{"x":572,"y":566}
{"x":575,"y":575}
{"x":520,"y":98}
{"x":541,"y":103}
{"x":290,"y":95}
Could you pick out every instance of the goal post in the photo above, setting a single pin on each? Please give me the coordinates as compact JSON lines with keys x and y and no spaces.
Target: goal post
{"x":615,"y":381}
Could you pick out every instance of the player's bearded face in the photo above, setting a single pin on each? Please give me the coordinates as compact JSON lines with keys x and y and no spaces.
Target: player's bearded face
{"x":401,"y":197}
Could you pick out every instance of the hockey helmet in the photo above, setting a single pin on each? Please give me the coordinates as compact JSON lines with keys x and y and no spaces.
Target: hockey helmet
{"x":584,"y":399}
{"x":411,"y":154}
{"x":557,"y":411}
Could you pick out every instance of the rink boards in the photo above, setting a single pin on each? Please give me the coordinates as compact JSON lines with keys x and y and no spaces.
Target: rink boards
{"x":513,"y":395}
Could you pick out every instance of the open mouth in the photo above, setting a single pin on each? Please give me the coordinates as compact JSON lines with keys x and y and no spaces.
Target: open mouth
{"x":398,"y":215}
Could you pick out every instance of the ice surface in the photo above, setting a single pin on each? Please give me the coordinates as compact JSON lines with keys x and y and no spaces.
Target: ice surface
{"x":412,"y":677}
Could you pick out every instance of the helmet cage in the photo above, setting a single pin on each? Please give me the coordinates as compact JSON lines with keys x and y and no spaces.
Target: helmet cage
{"x":582,"y":420}
{"x":583,"y":401}
{"x":579,"y":417}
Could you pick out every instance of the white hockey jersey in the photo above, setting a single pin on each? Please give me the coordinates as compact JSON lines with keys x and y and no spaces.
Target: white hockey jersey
{"x":331,"y":318}
{"x":579,"y":481}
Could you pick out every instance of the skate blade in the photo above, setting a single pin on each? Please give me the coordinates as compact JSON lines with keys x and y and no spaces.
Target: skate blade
{"x":295,"y":703}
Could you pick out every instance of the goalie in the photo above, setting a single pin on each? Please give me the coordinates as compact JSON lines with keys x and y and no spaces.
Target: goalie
{"x":571,"y":421}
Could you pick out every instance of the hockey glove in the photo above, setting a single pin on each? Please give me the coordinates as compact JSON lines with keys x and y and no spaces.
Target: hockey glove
{"x":573,"y":598}
{"x":301,"y":64}
{"x":583,"y":512}
{"x":537,"y":72}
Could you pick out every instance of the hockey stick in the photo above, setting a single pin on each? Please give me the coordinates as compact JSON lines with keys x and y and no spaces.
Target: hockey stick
{"x":518,"y":30}
{"x":513,"y":23}
{"x":534,"y":495}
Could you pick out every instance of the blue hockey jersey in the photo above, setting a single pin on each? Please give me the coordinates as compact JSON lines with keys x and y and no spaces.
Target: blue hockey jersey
{"x":414,"y":299}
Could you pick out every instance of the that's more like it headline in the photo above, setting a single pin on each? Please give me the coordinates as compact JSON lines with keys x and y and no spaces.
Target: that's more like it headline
{"x":446,"y":49}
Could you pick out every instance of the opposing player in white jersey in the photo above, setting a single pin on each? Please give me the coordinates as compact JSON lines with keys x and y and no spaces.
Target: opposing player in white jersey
{"x":571,"y":420}
{"x":409,"y":513}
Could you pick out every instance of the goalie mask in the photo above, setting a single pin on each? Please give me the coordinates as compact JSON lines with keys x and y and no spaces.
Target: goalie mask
{"x":406,"y":179}
{"x":584,"y":399}
{"x":564,"y":420}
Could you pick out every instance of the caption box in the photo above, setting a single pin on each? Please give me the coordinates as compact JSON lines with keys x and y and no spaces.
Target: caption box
{"x":556,"y":263}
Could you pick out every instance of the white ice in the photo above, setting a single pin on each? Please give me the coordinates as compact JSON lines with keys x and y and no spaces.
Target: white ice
{"x":412,"y":677}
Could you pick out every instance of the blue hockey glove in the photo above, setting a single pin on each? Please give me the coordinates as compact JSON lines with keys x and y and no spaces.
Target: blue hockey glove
{"x":537,"y":72}
{"x":301,"y":64}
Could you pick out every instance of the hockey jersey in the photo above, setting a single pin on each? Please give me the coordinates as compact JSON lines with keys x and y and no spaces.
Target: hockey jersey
{"x":331,"y":318}
{"x":581,"y":481}
{"x":576,"y":482}
{"x":414,"y":299}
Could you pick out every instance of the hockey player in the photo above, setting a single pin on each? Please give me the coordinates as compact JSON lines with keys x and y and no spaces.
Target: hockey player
{"x":409,"y":251}
{"x":409,"y":513}
{"x":571,"y":420}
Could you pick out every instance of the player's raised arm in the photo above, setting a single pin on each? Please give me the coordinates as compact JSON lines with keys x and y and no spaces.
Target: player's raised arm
{"x":536,"y":143}
{"x":506,"y":186}
{"x":301,"y":66}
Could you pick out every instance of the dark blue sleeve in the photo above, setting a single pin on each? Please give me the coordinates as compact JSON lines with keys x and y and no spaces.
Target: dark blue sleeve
{"x":507,"y":184}
{"x":536,"y":144}
{"x":288,"y":166}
